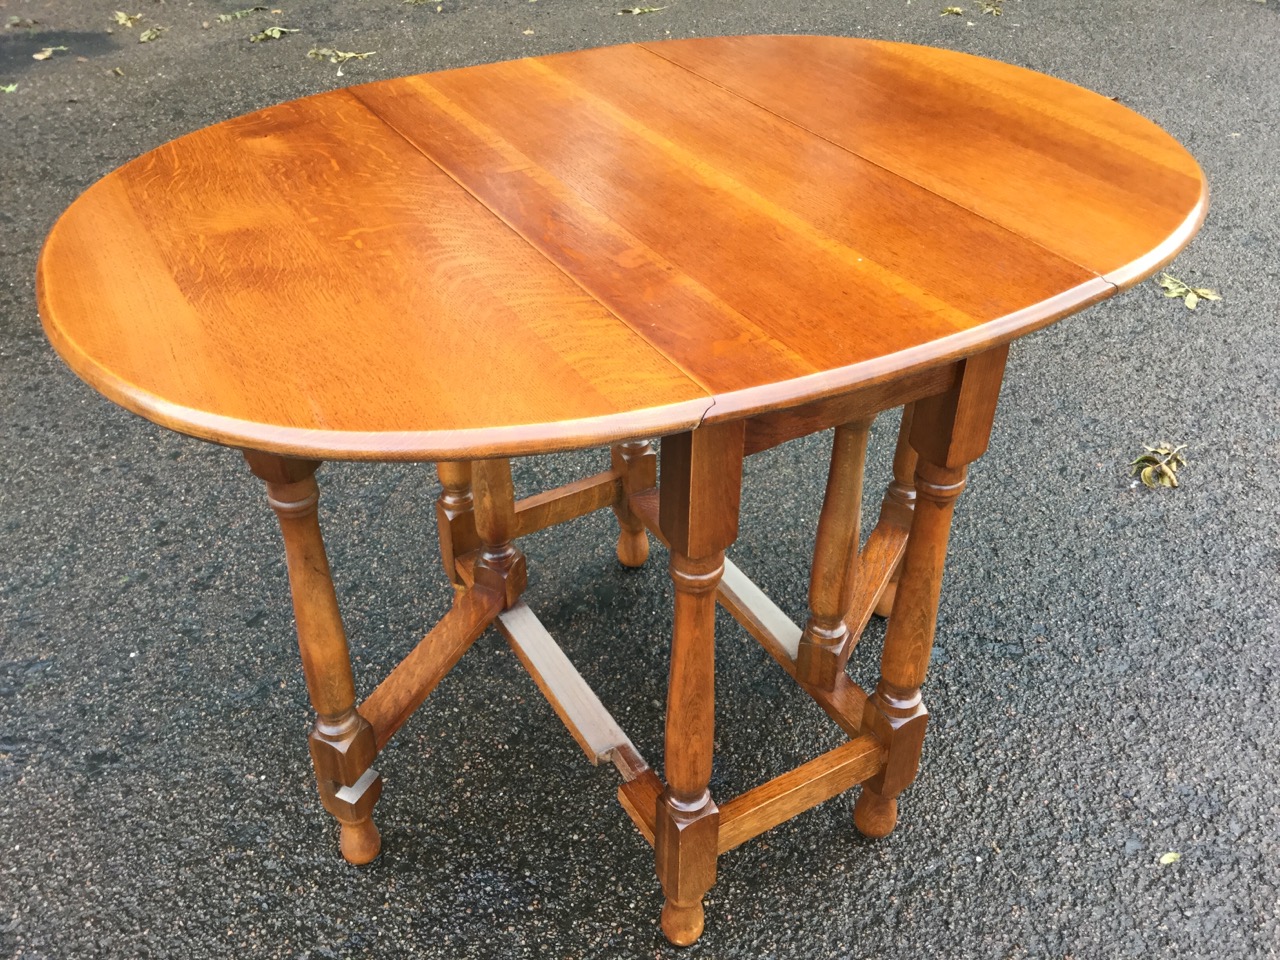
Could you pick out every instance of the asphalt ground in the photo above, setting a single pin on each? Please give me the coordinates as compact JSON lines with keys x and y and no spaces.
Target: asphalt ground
{"x":1103,"y":688}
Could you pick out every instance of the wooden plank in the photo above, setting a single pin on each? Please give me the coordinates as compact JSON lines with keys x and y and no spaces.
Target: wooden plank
{"x":413,"y":679}
{"x":780,"y":638}
{"x":808,"y":785}
{"x":639,"y":797}
{"x":761,"y":617}
{"x":573,"y":700}
{"x":765,"y":431}
{"x":1082,"y":176}
{"x":568,"y":502}
{"x":412,"y":325}
{"x":791,"y":252}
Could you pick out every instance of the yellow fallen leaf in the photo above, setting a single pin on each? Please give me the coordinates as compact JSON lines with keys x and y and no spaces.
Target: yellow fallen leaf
{"x":1170,"y":857}
{"x":1173,"y":287}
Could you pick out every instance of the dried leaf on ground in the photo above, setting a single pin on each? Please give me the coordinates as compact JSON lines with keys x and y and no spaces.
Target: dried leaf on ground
{"x":1171,"y":857}
{"x":10,"y":88}
{"x":46,"y":53}
{"x":337,"y":56}
{"x":1173,"y":287}
{"x":151,"y":33}
{"x":1159,"y":466}
{"x":271,"y":33}
{"x":238,"y":14}
{"x":636,"y":11}
{"x":126,"y":19}
{"x":952,"y":11}
{"x":992,"y":7}
{"x":20,"y":23}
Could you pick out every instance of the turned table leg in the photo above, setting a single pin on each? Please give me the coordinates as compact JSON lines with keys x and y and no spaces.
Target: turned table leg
{"x":501,"y":566}
{"x":455,"y":517}
{"x":342,"y":742}
{"x":949,"y":432}
{"x":636,"y":462}
{"x":835,"y":557}
{"x":899,"y":500}
{"x":699,"y":498}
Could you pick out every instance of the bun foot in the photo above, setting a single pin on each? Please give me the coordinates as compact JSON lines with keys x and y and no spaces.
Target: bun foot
{"x":633,"y":548}
{"x":682,"y":923}
{"x":875,"y":816}
{"x":360,"y":841}
{"x":884,"y":606}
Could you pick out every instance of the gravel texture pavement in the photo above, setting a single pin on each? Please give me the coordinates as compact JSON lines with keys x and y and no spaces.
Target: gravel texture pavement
{"x":1106,"y":675}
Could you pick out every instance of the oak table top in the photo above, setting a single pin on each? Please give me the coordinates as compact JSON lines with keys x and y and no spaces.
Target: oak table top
{"x":569,"y":250}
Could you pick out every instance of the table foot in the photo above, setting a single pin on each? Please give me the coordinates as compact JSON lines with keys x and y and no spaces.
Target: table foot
{"x":360,"y":842}
{"x":884,"y":606}
{"x":875,"y":815}
{"x":633,"y":548}
{"x":682,"y":922}
{"x":636,"y":462}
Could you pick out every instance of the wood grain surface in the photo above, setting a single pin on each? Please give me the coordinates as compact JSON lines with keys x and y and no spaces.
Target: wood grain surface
{"x":643,"y":239}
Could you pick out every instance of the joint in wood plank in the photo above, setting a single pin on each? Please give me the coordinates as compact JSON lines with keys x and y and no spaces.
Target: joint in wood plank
{"x":639,"y":798}
{"x":351,"y":803}
{"x":628,"y":761}
{"x":507,"y":580}
{"x":343,"y":749}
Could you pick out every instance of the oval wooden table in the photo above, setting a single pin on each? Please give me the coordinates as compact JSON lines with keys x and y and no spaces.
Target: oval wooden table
{"x":727,"y":243}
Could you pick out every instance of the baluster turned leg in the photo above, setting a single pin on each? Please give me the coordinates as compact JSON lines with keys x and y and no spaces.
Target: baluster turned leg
{"x":899,"y":500}
{"x":637,"y":463}
{"x":342,"y":742}
{"x":949,"y":432}
{"x":835,"y":558}
{"x":501,"y":566}
{"x":699,"y":497}
{"x":455,"y":517}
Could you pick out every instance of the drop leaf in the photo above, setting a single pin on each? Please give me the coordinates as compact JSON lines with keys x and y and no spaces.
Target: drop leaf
{"x":1170,"y":857}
